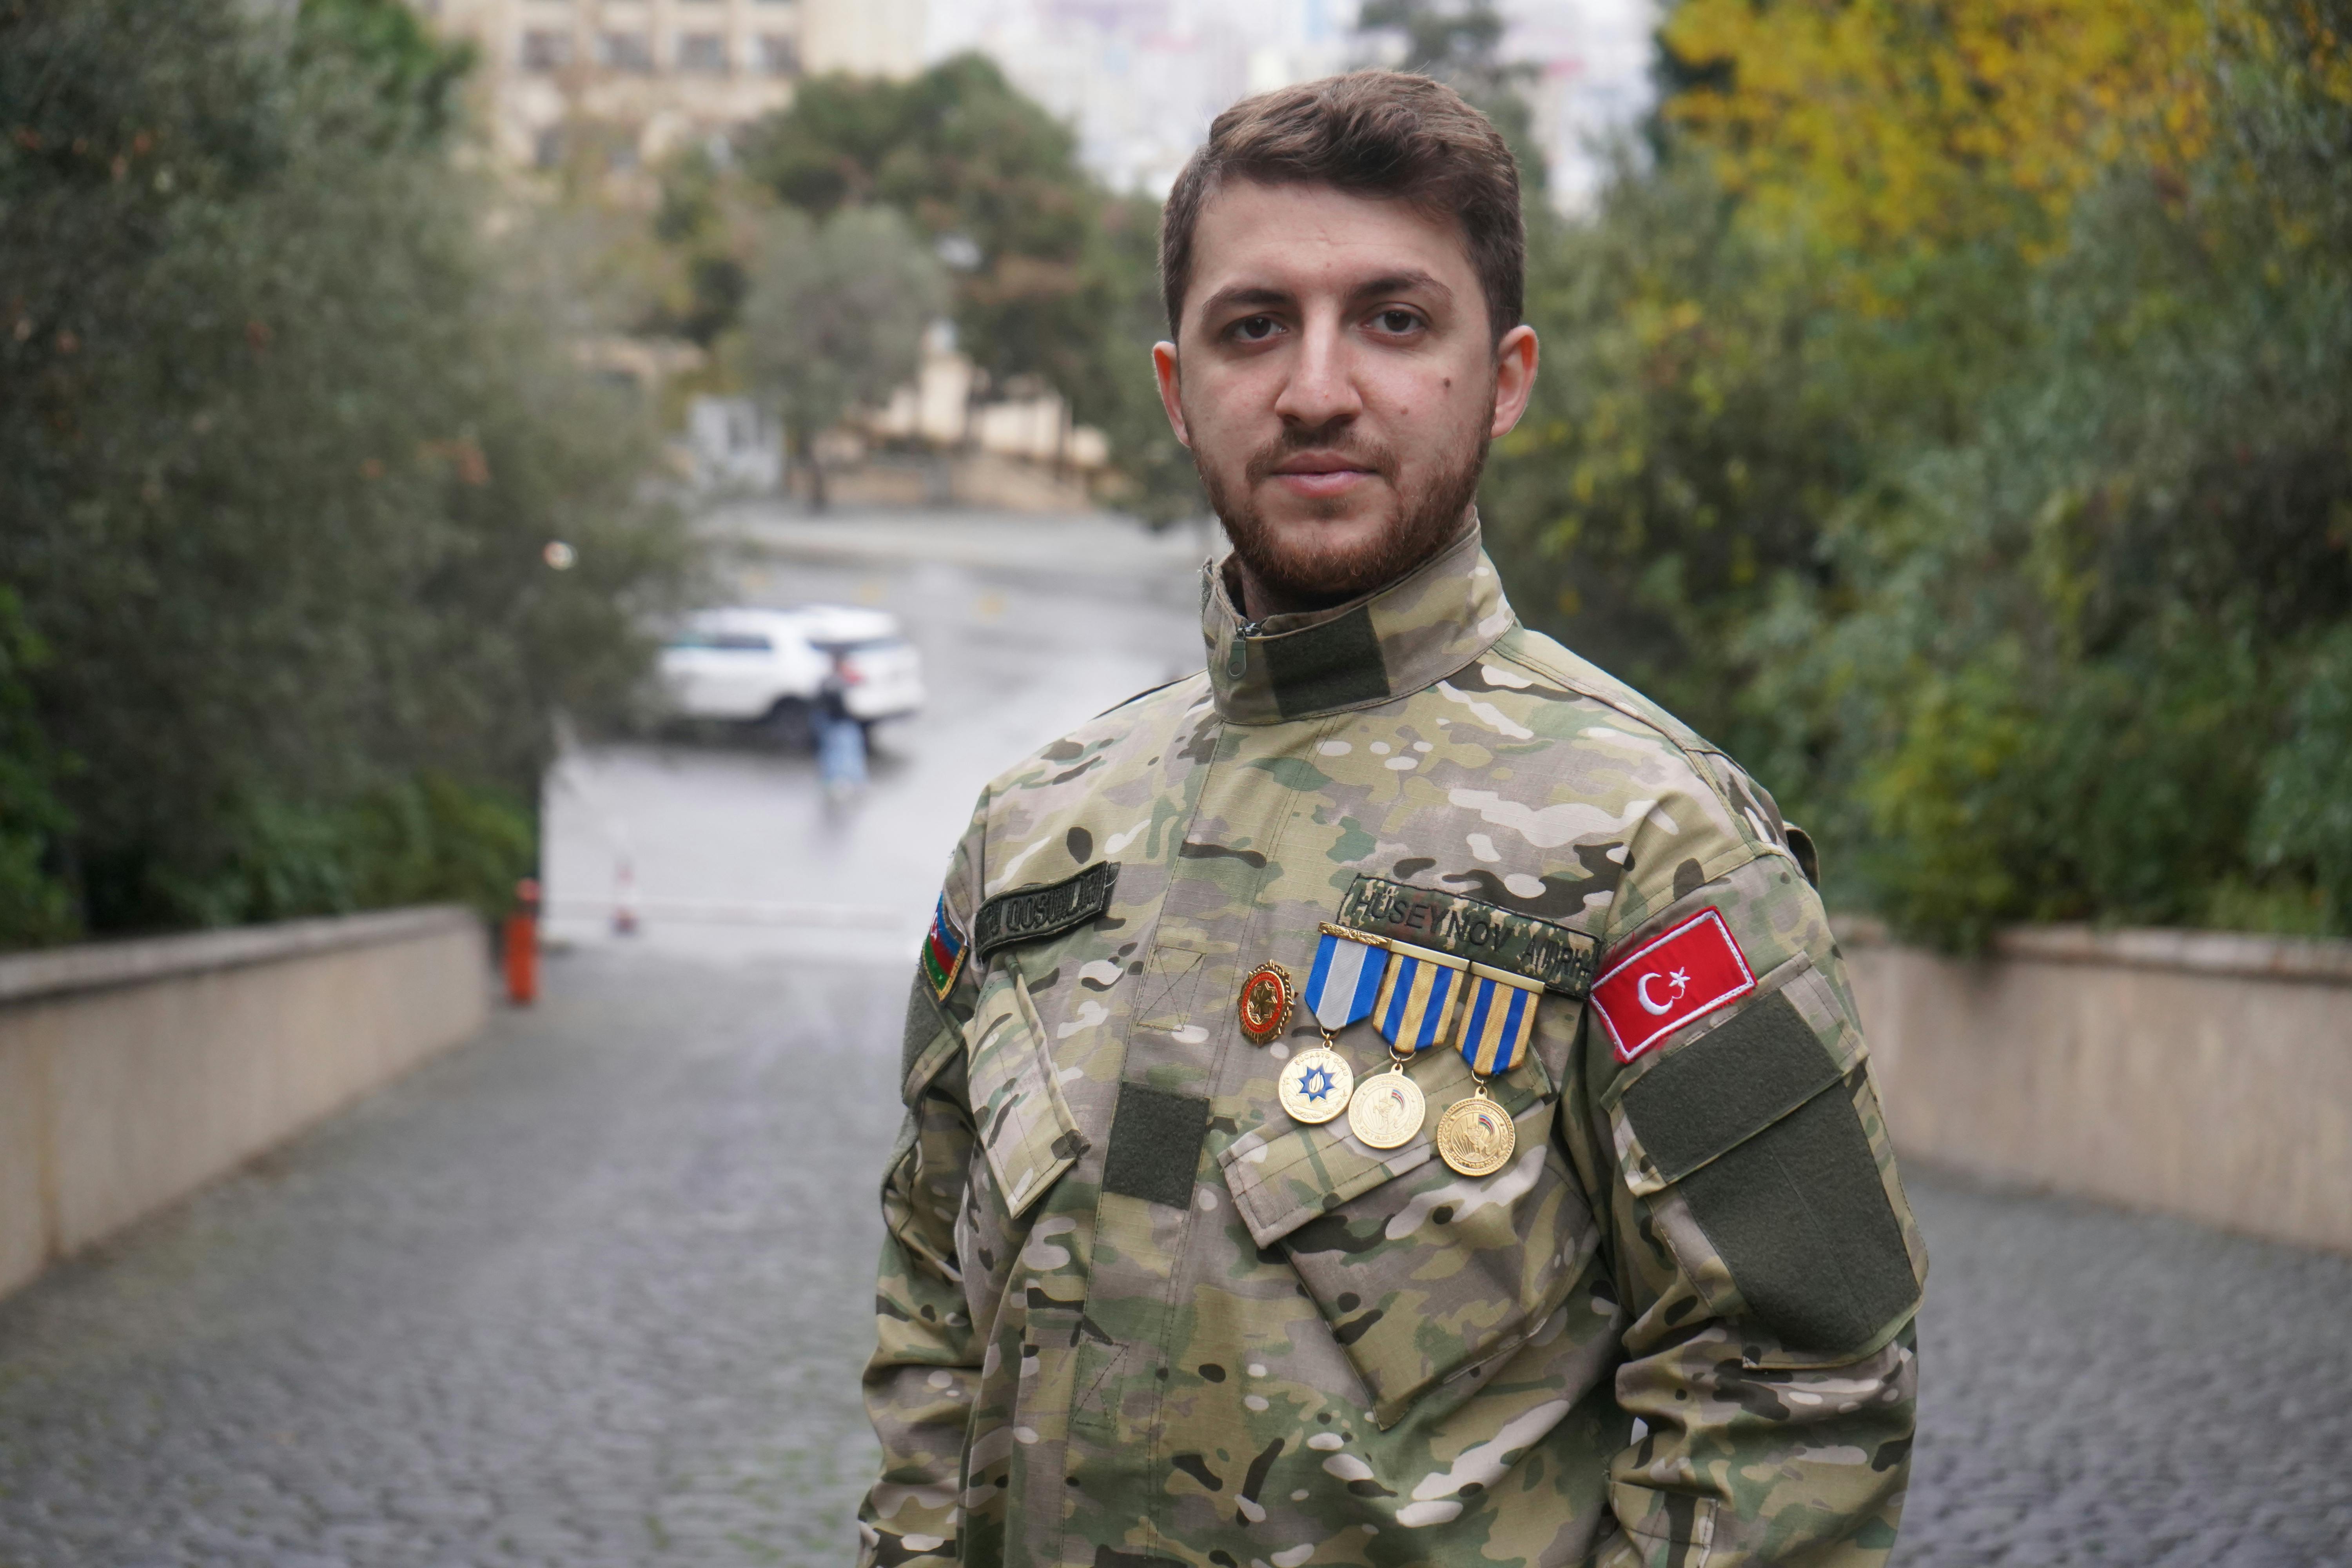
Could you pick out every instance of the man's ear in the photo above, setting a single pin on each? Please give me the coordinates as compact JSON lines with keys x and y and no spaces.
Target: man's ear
{"x":1163,"y":365}
{"x":1515,"y":378}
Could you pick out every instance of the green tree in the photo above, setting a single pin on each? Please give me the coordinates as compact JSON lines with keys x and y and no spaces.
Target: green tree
{"x":1053,"y":277}
{"x":834,"y":318}
{"x":35,"y":906}
{"x":280,"y":450}
{"x":1961,"y":434}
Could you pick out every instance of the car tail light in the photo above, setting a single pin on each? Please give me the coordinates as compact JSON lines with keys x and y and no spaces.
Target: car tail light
{"x":846,"y":669}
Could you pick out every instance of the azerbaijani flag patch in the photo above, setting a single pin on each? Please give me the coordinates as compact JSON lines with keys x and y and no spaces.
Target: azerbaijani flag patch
{"x":1670,"y":980}
{"x":942,"y":952}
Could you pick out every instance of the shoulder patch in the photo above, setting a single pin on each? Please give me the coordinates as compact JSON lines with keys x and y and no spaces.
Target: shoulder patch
{"x":1554,"y":956}
{"x":943,"y":951}
{"x":1029,"y":914}
{"x":1677,"y":976}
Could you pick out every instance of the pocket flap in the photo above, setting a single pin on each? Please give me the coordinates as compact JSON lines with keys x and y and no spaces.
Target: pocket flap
{"x":1426,"y":1279}
{"x":1025,"y":1125}
{"x":1285,"y":1172}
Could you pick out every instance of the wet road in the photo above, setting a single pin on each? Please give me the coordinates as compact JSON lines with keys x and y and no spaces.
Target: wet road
{"x":594,"y":1290}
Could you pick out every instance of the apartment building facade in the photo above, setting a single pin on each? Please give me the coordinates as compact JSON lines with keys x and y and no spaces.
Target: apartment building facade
{"x":652,"y":74}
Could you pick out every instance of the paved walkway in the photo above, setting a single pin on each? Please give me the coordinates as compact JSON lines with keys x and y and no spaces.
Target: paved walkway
{"x":593,"y":1291}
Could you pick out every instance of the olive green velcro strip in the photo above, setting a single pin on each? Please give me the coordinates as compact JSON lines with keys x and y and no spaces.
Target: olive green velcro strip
{"x":1752,"y":1125}
{"x":1155,"y":1144}
{"x":1801,"y":1221}
{"x":925,"y":1024}
{"x":1333,"y":665}
{"x":1727,"y":1084}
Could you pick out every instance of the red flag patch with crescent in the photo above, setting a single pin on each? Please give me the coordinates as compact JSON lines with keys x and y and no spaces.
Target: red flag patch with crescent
{"x":1672,"y":978}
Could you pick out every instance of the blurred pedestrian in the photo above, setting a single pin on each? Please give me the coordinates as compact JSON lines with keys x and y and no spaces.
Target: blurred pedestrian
{"x":840,"y":745}
{"x":1393,"y":1096}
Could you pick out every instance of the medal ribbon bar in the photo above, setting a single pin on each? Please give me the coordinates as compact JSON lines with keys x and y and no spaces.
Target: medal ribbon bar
{"x":1417,"y":996}
{"x":1497,"y":1019}
{"x":1346,"y":979}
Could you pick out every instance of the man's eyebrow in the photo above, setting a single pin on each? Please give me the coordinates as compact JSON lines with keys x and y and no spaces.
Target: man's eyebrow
{"x":1260,"y":296}
{"x":1239,"y":295}
{"x":1405,"y":282}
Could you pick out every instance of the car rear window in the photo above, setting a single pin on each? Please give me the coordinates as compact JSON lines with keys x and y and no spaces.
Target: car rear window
{"x":728,"y":642}
{"x":862,"y":645}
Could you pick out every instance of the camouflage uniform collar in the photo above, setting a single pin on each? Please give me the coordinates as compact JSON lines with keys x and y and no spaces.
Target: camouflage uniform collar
{"x":1391,"y":643}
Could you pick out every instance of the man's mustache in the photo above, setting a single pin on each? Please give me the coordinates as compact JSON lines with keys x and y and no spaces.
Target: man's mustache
{"x":1357,"y":453}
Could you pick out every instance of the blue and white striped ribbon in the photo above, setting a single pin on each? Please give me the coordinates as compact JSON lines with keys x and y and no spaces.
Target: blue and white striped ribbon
{"x":1346,"y":978}
{"x":1417,"y":996}
{"x":1497,"y":1019}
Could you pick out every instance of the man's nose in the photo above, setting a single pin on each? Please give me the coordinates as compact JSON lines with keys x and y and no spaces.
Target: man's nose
{"x":1322,"y":387}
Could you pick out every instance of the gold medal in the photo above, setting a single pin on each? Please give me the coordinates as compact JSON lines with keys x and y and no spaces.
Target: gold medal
{"x":1314,"y":1084}
{"x":1387,"y":1110}
{"x":1265,"y":1000}
{"x":1475,"y":1136}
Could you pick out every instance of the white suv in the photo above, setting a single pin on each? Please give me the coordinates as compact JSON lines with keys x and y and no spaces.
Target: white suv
{"x":750,"y":665}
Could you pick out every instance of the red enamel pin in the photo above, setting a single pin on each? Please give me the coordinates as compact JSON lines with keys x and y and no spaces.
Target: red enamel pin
{"x":1265,"y":1002}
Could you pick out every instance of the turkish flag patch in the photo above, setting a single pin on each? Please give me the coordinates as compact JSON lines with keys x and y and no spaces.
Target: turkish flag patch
{"x":1672,"y":978}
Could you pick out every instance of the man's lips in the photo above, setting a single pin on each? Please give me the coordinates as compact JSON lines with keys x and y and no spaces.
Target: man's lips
{"x":1320,"y":476}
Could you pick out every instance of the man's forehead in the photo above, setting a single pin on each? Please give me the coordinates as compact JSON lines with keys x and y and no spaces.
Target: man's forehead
{"x":1318,"y":237}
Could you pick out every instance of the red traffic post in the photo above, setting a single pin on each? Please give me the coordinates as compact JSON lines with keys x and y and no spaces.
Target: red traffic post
{"x":522,"y":945}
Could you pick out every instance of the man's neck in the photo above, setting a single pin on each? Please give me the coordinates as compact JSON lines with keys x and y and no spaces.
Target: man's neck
{"x":1258,"y":599}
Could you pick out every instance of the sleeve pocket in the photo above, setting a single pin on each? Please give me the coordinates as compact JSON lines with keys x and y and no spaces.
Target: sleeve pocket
{"x":1025,"y":1123}
{"x":1753,"y":1143}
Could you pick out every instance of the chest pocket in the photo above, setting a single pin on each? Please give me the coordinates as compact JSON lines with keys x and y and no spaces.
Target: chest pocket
{"x":1025,"y":1123}
{"x":1425,"y":1277}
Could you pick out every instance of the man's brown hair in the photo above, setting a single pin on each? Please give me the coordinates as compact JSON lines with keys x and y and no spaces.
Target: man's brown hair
{"x":1372,"y":134}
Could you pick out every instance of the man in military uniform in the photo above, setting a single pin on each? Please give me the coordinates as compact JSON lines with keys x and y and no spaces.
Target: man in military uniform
{"x":1393,"y":1098}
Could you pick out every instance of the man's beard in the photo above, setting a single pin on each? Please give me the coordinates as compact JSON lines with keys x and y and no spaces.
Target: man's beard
{"x":1310,"y":570}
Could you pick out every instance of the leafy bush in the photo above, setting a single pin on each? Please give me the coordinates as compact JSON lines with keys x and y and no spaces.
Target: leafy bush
{"x":1972,"y":451}
{"x":280,"y":453}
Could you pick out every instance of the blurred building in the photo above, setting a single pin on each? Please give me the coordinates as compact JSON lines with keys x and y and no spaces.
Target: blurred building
{"x":1140,"y":80}
{"x":949,"y":404}
{"x":646,"y":76}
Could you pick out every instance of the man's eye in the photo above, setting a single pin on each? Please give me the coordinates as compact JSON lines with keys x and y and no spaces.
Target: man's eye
{"x":1397,"y":320}
{"x":1256,"y":328}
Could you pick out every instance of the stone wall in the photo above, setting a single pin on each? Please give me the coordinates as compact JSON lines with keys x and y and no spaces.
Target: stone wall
{"x":2196,"y":1073}
{"x":133,"y":1072}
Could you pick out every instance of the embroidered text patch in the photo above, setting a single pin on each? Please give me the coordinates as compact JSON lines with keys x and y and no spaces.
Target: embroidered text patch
{"x":1035,"y":912}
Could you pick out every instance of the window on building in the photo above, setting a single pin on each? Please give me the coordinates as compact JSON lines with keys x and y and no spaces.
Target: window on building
{"x":779,"y":54}
{"x":705,"y":52}
{"x":547,"y":147}
{"x":626,"y":51}
{"x":544,"y":49}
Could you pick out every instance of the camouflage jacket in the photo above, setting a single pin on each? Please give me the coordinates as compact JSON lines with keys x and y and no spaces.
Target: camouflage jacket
{"x":1131,"y":1314}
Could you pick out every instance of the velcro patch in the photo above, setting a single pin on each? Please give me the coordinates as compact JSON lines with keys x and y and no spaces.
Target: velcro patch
{"x":1031,"y":914}
{"x":1155,"y":1144}
{"x":1683,"y":974}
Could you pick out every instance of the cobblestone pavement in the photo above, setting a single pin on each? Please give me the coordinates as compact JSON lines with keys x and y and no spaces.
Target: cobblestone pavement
{"x":2098,"y":1387}
{"x":590,"y":1291}
{"x":594,"y":1292}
